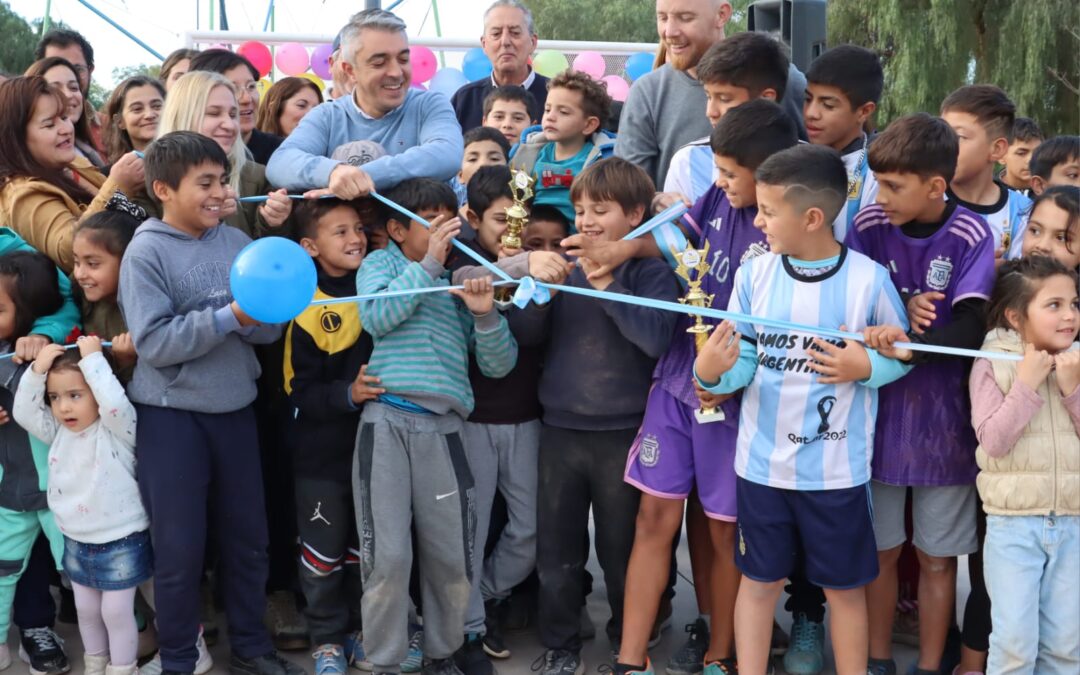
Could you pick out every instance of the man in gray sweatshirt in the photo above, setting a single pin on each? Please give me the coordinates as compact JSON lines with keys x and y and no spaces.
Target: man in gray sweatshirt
{"x":664,"y":110}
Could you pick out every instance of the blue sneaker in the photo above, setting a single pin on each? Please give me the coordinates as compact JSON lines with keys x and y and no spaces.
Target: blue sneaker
{"x":353,"y":650}
{"x":721,"y":667}
{"x":414,"y":659}
{"x":330,"y":660}
{"x":806,"y":651}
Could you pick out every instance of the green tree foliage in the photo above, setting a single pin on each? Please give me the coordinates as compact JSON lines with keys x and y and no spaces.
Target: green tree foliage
{"x":609,"y":20}
{"x":931,"y":47}
{"x":17,"y":45}
{"x":124,"y":72}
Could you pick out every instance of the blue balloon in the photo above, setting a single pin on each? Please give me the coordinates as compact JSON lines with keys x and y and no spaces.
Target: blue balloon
{"x":273,"y":279}
{"x":639,"y":64}
{"x":476,"y":65}
{"x":447,"y":81}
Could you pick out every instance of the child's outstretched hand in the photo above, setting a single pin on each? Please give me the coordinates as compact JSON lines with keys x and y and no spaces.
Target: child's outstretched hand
{"x":478,"y":295}
{"x":1067,"y":367}
{"x":921,"y":310}
{"x":28,"y":347}
{"x":45,"y":358}
{"x":709,"y":400}
{"x":363,"y":388}
{"x":441,"y":235}
{"x":607,"y":255}
{"x":719,"y":354}
{"x":276,"y":209}
{"x":883,"y":339}
{"x":837,"y":365}
{"x":229,"y":205}
{"x":599,"y":276}
{"x":88,"y":344}
{"x":549,"y":267}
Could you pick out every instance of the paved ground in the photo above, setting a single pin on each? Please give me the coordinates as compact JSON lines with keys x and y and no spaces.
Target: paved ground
{"x":526,"y":647}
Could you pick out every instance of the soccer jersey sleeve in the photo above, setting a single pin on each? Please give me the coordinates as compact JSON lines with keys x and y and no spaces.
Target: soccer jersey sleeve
{"x":975,"y":273}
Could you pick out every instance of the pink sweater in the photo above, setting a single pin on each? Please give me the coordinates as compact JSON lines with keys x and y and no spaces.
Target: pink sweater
{"x":1000,"y":418}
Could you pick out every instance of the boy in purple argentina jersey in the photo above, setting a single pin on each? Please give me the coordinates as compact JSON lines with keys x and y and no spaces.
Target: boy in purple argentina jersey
{"x":673,"y":452}
{"x":924,"y":438}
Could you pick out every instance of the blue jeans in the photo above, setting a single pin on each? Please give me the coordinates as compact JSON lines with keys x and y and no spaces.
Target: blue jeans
{"x":1030,"y":564}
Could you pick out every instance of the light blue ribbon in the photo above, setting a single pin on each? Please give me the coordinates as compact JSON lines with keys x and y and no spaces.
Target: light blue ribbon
{"x":669,"y":214}
{"x":11,"y":355}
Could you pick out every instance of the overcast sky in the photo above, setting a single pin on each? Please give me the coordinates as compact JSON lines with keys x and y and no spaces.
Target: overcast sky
{"x":162,"y":23}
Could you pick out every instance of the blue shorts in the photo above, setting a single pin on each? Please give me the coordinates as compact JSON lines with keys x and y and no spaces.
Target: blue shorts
{"x":830,"y":531}
{"x":113,"y":566}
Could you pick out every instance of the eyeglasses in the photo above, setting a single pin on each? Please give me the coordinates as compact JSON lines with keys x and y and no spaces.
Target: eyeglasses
{"x":251,"y":88}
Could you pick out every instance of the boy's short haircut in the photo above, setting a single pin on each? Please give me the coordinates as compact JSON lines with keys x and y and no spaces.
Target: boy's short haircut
{"x":751,"y":60}
{"x":306,"y":214}
{"x":416,"y":195}
{"x":617,"y":180}
{"x":169,"y":158}
{"x":988,"y":104}
{"x":1052,"y":152}
{"x":919,"y":144}
{"x":1025,"y":129}
{"x":546,"y":213}
{"x":751,"y":132}
{"x":511,"y":92}
{"x":488,"y":134}
{"x":856,"y":71}
{"x":487,"y":185}
{"x":595,"y":100}
{"x":813,"y":175}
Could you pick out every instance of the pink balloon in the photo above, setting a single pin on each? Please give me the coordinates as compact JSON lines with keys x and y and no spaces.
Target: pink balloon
{"x":320,"y":61}
{"x":423,"y":62}
{"x":292,"y":58}
{"x":590,"y":63}
{"x":259,"y":55}
{"x":617,"y":88}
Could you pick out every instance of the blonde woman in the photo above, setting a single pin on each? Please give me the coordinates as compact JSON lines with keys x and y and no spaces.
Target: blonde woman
{"x":205,"y":102}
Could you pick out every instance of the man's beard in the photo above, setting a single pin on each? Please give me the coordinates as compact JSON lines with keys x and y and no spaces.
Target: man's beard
{"x":688,"y":59}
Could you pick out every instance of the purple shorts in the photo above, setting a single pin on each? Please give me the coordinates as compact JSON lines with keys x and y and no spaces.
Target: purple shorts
{"x":673,"y":452}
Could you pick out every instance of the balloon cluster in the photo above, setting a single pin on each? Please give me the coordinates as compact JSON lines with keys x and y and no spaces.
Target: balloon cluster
{"x":291,"y":59}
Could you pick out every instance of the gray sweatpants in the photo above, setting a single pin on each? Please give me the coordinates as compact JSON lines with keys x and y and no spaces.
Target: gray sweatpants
{"x":502,"y":457}
{"x":412,"y":470}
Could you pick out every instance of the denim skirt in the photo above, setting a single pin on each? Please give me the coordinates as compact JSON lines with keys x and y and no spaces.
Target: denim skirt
{"x":112,"y":566}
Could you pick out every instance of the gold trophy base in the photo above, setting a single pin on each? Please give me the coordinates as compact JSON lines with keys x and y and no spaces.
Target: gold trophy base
{"x":709,"y":415}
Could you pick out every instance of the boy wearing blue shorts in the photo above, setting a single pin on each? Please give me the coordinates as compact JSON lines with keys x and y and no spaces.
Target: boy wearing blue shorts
{"x":806,"y":424}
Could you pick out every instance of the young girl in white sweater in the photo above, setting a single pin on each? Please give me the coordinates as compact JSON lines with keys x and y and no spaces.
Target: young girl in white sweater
{"x":73,"y":401}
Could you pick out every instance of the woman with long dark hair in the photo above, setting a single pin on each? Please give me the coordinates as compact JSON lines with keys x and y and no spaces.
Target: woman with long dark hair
{"x":46,"y":188}
{"x":60,"y":73}
{"x":132,"y":115}
{"x":286,"y":103}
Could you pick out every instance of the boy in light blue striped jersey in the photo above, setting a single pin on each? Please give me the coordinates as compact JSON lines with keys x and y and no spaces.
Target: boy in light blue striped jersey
{"x":420,"y":474}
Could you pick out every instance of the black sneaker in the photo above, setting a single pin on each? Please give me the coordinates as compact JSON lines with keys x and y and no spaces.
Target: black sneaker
{"x":43,"y":650}
{"x":441,"y":667}
{"x":471,"y":658}
{"x":559,"y":662}
{"x":267,"y":664}
{"x":689,"y":660}
{"x":493,"y":639}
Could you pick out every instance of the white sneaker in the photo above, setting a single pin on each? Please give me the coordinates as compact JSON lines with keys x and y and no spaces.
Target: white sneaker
{"x":5,"y":657}
{"x":202,"y":665}
{"x":94,"y":665}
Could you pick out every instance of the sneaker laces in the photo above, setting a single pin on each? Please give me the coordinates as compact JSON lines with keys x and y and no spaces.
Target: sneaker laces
{"x":44,"y":638}
{"x":416,"y":640}
{"x":804,"y":634}
{"x":326,"y":650}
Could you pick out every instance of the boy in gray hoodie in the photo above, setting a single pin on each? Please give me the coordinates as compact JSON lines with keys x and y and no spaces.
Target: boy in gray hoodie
{"x":193,"y":388}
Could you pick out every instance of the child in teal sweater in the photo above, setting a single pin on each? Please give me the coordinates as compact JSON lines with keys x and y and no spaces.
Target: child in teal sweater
{"x":420,"y":475}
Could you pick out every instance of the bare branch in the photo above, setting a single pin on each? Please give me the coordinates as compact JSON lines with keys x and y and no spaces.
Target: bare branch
{"x":1064,"y":81}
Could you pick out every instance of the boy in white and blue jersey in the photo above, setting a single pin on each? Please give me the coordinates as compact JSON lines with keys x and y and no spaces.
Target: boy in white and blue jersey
{"x":982,"y":117}
{"x":806,"y":426}
{"x":843,"y":87}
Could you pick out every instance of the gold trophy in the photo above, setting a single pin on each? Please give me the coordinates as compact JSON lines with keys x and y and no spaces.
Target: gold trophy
{"x":692,"y":259}
{"x":517,"y":216}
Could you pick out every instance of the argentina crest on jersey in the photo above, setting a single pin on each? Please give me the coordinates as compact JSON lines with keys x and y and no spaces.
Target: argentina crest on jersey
{"x":937,"y":277}
{"x":650,"y":451}
{"x":753,"y":251}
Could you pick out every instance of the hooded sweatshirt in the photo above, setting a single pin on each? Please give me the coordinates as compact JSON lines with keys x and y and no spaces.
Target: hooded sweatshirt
{"x":174,"y":292}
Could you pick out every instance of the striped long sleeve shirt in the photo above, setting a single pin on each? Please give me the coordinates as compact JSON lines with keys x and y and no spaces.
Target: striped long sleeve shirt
{"x":422,"y":342}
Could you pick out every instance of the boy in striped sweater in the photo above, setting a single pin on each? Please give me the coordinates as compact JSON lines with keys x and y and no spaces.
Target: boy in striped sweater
{"x":420,"y":475}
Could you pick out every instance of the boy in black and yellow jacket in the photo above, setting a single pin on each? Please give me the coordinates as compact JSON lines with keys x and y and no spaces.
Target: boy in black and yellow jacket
{"x":326,"y":352}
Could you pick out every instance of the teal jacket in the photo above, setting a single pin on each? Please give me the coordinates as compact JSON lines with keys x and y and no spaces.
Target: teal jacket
{"x":57,"y":326}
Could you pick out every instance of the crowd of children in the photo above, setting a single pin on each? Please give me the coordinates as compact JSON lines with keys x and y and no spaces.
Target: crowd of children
{"x":447,"y":446}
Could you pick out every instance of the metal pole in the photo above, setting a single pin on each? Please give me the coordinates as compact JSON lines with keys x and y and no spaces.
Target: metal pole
{"x":372,"y":4}
{"x":48,"y":19}
{"x":269,"y":16}
{"x":438,"y":30}
{"x":120,"y":28}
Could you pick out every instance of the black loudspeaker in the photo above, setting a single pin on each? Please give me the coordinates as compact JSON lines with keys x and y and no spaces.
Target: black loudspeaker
{"x":800,"y":24}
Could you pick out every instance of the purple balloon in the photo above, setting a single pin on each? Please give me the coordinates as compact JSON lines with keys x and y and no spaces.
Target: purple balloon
{"x":320,"y":61}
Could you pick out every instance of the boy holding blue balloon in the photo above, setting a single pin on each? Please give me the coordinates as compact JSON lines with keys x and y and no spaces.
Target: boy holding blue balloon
{"x":193,"y":388}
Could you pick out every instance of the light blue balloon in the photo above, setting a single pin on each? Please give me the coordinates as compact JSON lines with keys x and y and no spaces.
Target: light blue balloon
{"x":273,"y":279}
{"x":447,"y":81}
{"x":639,"y":64}
{"x":476,"y":65}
